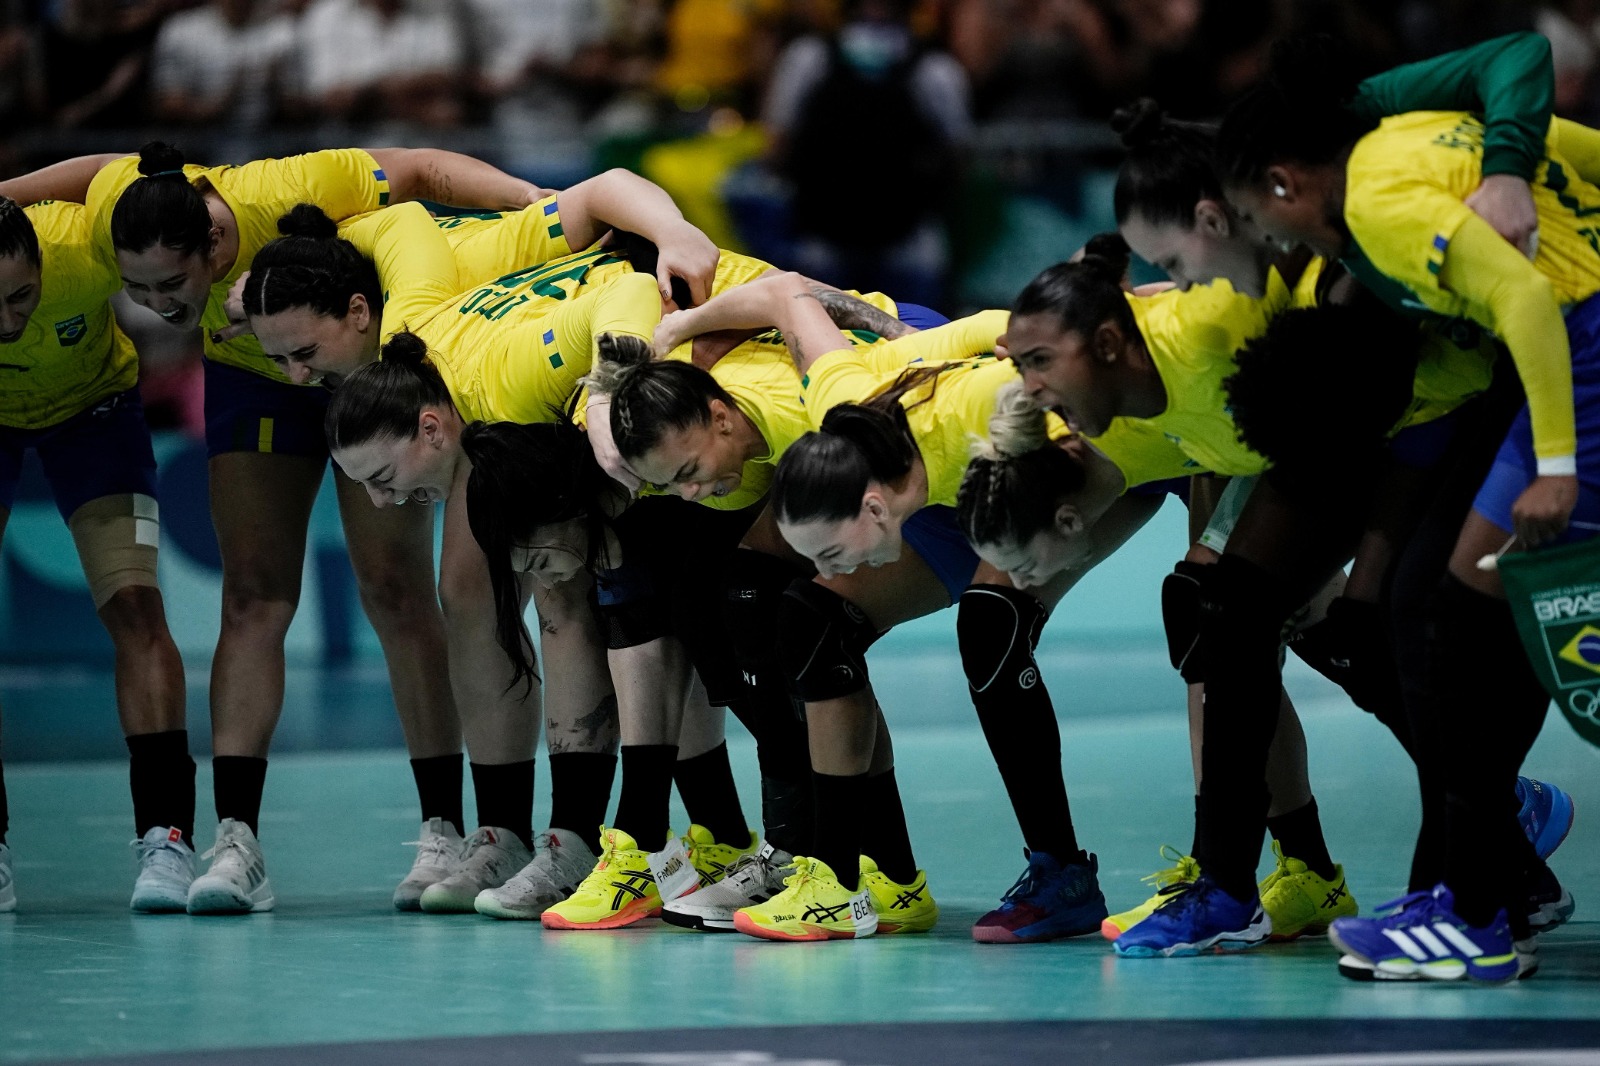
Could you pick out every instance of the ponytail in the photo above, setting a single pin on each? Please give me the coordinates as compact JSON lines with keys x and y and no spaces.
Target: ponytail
{"x":310,"y":266}
{"x":384,"y":399}
{"x":161,"y":207}
{"x":1015,"y":483}
{"x":18,"y":239}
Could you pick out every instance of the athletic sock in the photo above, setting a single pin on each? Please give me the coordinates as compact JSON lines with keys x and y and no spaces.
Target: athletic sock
{"x":998,"y":628}
{"x":788,"y":813}
{"x":161,"y":778}
{"x":439,"y":780}
{"x":705,"y":784}
{"x":237,"y":782}
{"x":504,"y":793}
{"x":580,"y":793}
{"x":5,"y":807}
{"x":646,"y":792}
{"x":841,"y":810}
{"x":1299,"y":834}
{"x":885,"y":837}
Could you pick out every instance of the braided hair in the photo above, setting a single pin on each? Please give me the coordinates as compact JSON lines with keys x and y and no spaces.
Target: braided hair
{"x":1017,"y":479}
{"x":651,"y":398}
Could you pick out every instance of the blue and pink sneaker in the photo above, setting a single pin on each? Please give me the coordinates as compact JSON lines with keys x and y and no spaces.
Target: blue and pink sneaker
{"x":1050,"y":901}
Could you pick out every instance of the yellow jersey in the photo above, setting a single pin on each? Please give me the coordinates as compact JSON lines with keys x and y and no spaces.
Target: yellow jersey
{"x":416,"y":267}
{"x":71,"y":354}
{"x":343,"y":182}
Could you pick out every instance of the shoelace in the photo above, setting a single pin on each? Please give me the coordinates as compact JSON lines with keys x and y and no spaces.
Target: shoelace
{"x":1025,"y":886}
{"x":226,"y":844}
{"x":1415,"y":906}
{"x":160,"y":854}
{"x":436,"y":849}
{"x":1183,"y":872}
{"x":802,"y":873}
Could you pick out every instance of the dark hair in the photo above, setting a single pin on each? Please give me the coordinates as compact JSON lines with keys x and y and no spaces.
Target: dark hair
{"x":1322,"y":389}
{"x":162,"y":207}
{"x":650,"y":399}
{"x":823,"y":475}
{"x":523,"y":479}
{"x":1168,"y":168}
{"x":1015,"y":482}
{"x":383,"y":399}
{"x":1299,"y":114}
{"x":1084,"y":294}
{"x":310,"y":266}
{"x":18,"y":240}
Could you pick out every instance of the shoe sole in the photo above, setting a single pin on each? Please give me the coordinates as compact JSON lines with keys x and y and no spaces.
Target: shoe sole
{"x":994,"y":934}
{"x":615,"y":921}
{"x":814,"y":933}
{"x":1222,"y":943}
{"x":1356,"y":967}
{"x":1550,"y":916}
{"x":159,"y":904}
{"x":1111,"y":930}
{"x":211,"y":900}
{"x":508,"y":914}
{"x":704,"y":924}
{"x":448,"y":904}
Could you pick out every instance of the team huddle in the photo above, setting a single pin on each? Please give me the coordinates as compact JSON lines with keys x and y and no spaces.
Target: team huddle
{"x":1372,"y":376}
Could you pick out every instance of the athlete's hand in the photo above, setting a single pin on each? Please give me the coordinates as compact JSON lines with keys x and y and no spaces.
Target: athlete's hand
{"x":605,"y":448}
{"x":238,"y":324}
{"x":674,"y":328}
{"x":688,"y":254}
{"x":1506,"y":203}
{"x":1542,"y":512}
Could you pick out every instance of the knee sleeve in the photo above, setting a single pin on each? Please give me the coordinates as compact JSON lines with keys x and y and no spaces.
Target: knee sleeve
{"x":997,"y":630}
{"x":629,"y":609}
{"x":117,"y":537}
{"x":822,"y":642}
{"x":1350,"y":647}
{"x":755,"y":586}
{"x":1180,"y":613}
{"x":1241,"y":614}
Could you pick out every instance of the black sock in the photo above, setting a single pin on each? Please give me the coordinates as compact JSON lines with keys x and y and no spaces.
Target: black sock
{"x":5,"y":807}
{"x":646,"y":792}
{"x":580,"y":793}
{"x":161,"y":778}
{"x":505,"y":797}
{"x":438,"y":780}
{"x":884,"y":836}
{"x":1299,"y":834}
{"x":998,"y":629}
{"x":237,"y":782}
{"x":705,"y":784}
{"x":841,"y":808}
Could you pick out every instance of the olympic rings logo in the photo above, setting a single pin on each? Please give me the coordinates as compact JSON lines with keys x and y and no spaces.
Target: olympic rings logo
{"x":1585,"y":703}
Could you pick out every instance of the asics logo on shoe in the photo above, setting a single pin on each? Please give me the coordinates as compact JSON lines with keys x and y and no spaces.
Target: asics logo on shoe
{"x":908,"y":897}
{"x":1339,"y":892}
{"x":636,"y":886}
{"x":821,"y":912}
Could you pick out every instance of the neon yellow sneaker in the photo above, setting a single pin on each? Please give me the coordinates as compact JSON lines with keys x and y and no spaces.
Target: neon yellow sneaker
{"x":619,"y":891}
{"x":813,"y":906}
{"x":1183,"y":873}
{"x":1299,"y":902}
{"x":901,"y":908}
{"x":712,"y":860}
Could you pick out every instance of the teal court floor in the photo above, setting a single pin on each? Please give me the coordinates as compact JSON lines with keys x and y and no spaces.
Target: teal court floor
{"x":334,"y":975}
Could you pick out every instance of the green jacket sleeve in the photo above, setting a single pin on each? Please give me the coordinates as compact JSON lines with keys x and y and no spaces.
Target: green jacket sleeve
{"x":1510,"y":80}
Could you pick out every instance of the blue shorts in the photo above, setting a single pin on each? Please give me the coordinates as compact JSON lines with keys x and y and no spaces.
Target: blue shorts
{"x":1425,"y":446}
{"x":247,"y":412}
{"x":935,"y":535}
{"x":103,"y":451}
{"x":1515,"y":466}
{"x":1176,"y":486}
{"x":919,"y":316}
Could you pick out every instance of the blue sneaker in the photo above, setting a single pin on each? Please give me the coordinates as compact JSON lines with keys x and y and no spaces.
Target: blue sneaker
{"x":1546,"y":814}
{"x":1049,"y":901}
{"x":1549,"y":904}
{"x":1420,"y":937}
{"x":1201,"y":918}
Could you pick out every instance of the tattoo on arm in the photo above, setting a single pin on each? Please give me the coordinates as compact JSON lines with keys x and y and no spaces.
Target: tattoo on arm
{"x":851,"y":312}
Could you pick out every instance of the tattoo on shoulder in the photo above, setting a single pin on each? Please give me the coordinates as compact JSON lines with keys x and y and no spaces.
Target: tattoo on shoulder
{"x":852,"y":312}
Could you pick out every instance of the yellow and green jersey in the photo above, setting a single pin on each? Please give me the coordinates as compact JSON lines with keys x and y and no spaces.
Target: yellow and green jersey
{"x":415,"y":264}
{"x":71,"y":354}
{"x":343,"y":182}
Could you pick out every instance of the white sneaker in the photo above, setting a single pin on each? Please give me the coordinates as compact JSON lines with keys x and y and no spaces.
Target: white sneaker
{"x":561,"y":859}
{"x":752,"y":880}
{"x":237,"y":881}
{"x":438,"y":851}
{"x":489,"y":858}
{"x":166,"y":870}
{"x":8,"y":885}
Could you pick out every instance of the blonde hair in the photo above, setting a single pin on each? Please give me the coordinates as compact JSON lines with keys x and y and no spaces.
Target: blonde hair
{"x":1016,"y":427}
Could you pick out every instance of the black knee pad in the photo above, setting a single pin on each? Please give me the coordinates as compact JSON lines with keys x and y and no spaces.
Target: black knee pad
{"x":997,"y":630}
{"x":1180,"y":612}
{"x":629,"y":608}
{"x":1351,"y":648}
{"x":754,"y":591}
{"x":822,"y":642}
{"x":1242,"y":612}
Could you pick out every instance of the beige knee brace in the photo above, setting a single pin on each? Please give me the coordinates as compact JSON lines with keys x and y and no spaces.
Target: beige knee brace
{"x":117,"y":538}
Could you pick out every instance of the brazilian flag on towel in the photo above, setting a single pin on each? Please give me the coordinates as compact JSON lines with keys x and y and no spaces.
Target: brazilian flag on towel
{"x":1555,"y":598}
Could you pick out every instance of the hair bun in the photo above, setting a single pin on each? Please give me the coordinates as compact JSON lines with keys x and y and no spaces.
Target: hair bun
{"x":1107,"y":256}
{"x":158,"y":157}
{"x":308,"y":220}
{"x":406,"y":349}
{"x":1139,"y":123}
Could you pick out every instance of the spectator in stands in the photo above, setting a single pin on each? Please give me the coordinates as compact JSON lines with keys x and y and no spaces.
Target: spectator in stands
{"x":220,"y":63}
{"x":873,"y":221}
{"x":94,"y":56}
{"x":367,"y":60}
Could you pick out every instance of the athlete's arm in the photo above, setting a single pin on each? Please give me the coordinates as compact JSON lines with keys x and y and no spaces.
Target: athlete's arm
{"x":782,"y":300}
{"x":452,"y":179}
{"x":852,"y":312}
{"x":622,"y":200}
{"x":67,"y":180}
{"x":1519,"y":305}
